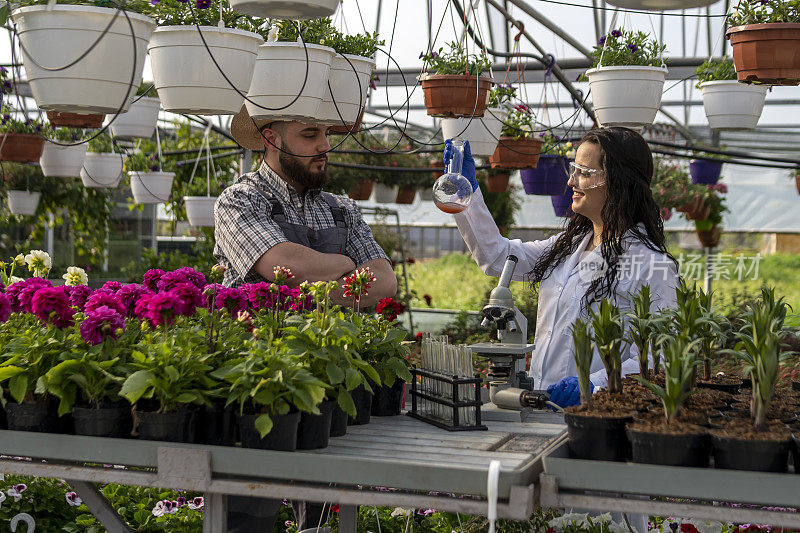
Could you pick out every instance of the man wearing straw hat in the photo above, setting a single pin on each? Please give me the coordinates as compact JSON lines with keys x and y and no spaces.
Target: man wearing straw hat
{"x":279,"y":216}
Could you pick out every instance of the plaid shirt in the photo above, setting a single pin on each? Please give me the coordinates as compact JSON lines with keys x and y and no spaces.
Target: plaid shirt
{"x":244,"y":228}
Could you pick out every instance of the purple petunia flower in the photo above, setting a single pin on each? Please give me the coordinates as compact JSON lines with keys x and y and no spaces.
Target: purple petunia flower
{"x":112,"y":286}
{"x":5,"y":306}
{"x":190,"y":297}
{"x":154,"y":2}
{"x":162,"y":308}
{"x":51,"y":305}
{"x":102,"y":297}
{"x":616,"y":33}
{"x":129,"y":294}
{"x":101,"y":324}
{"x":203,"y":4}
{"x":78,"y":294}
{"x":632,"y":47}
{"x":151,"y":278}
{"x":232,"y":299}
{"x":602,"y":40}
{"x":73,"y":499}
{"x":260,"y":295}
{"x":197,"y":503}
{"x":181,"y":501}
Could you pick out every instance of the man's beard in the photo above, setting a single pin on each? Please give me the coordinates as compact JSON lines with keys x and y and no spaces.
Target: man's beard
{"x":301,"y":175}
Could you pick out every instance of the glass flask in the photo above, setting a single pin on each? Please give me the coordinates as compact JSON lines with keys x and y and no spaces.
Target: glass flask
{"x":452,"y":192}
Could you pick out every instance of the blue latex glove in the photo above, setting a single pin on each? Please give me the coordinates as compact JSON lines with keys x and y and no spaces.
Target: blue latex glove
{"x":467,"y":165}
{"x":566,"y":392}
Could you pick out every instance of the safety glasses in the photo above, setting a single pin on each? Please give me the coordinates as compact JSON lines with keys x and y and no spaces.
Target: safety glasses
{"x":587,"y":178}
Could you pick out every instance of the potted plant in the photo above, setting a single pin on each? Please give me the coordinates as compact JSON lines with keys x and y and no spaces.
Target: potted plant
{"x":597,"y":429}
{"x":708,"y":230}
{"x":705,"y":168}
{"x":729,"y":105}
{"x":562,"y":203}
{"x":64,"y":119}
{"x":641,"y":328}
{"x":764,"y":38}
{"x":482,"y":133}
{"x":140,"y":120}
{"x":452,"y":84}
{"x":627,"y":78}
{"x":518,"y":147}
{"x":712,"y":338}
{"x":188,"y":50}
{"x":759,"y":444}
{"x":149,"y":183}
{"x":290,"y":78}
{"x":550,"y":175}
{"x":293,"y":9}
{"x":102,"y":166}
{"x":65,"y":159}
{"x":97,"y":80}
{"x":497,"y":180}
{"x":22,"y":184}
{"x":21,"y":140}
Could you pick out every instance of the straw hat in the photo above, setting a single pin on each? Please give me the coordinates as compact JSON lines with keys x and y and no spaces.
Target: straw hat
{"x":247,"y":131}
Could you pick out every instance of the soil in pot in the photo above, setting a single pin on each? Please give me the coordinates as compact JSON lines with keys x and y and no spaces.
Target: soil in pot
{"x":386,"y":401}
{"x":654,"y":441}
{"x":75,"y":120}
{"x":215,"y":425}
{"x":39,"y":417}
{"x":598,"y":434}
{"x":314,"y":430}
{"x":705,"y":400}
{"x":174,"y":426}
{"x":721,"y":383}
{"x":282,"y":436}
{"x":456,"y":95}
{"x":738,"y":447}
{"x":363,"y":400}
{"x":338,"y":422}
{"x":109,"y":420}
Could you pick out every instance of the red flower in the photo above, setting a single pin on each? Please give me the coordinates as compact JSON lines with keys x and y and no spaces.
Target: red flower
{"x":335,"y":509}
{"x":356,"y":284}
{"x":411,"y":260}
{"x":688,"y":528}
{"x":427,"y":298}
{"x":389,"y":308}
{"x":418,"y":336}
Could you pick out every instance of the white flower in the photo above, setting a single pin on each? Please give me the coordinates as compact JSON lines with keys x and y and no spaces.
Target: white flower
{"x":73,"y":499}
{"x":16,"y":491}
{"x":14,"y":279}
{"x":399,"y":511}
{"x":75,"y":276}
{"x":37,"y":260}
{"x":2,"y":497}
{"x":19,"y":260}
{"x":578,"y":519}
{"x":196,"y":504}
{"x":159,"y":509}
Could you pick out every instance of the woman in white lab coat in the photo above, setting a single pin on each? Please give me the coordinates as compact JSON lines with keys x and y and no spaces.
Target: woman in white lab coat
{"x":611,"y":247}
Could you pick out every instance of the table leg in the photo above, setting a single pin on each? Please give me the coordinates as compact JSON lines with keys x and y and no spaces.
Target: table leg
{"x":100,"y":507}
{"x":348,"y":518}
{"x":215,"y":513}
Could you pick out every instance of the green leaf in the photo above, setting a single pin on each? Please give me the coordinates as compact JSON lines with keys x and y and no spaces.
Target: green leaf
{"x":263,"y":425}
{"x":8,"y":372}
{"x":352,"y":378}
{"x":186,"y":397}
{"x":335,"y":374}
{"x":18,"y":387}
{"x":136,"y":384}
{"x":4,"y":12}
{"x":346,"y":402}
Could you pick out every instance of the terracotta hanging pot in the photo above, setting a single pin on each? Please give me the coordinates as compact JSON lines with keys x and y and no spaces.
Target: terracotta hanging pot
{"x":361,"y":191}
{"x":405,"y":196}
{"x":456,"y":95}
{"x":497,"y":182}
{"x":696,"y":210}
{"x":21,"y":147}
{"x":516,"y":154}
{"x":797,"y":183}
{"x":766,"y":53}
{"x":75,"y":120}
{"x":341,"y":129}
{"x":709,"y":238}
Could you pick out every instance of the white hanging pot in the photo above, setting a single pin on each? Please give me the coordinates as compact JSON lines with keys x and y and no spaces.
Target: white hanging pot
{"x":186,"y":77}
{"x":482,"y":133}
{"x":55,"y":36}
{"x":349,"y":83}
{"x":383,"y":194}
{"x":101,"y":170}
{"x":200,"y":209}
{"x":731,"y":105}
{"x":23,"y":202}
{"x":278,"y":80}
{"x":660,"y":5}
{"x":286,"y":9}
{"x":626,"y":96}
{"x":139,"y":121}
{"x":151,"y":187}
{"x":62,"y":161}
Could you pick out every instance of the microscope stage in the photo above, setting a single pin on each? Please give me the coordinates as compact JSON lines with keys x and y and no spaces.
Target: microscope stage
{"x":500,"y":348}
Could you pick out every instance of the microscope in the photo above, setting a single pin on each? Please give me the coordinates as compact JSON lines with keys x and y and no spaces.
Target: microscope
{"x":511,"y":393}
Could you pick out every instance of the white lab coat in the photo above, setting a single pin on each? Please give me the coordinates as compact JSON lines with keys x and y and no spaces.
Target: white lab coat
{"x":560,"y":294}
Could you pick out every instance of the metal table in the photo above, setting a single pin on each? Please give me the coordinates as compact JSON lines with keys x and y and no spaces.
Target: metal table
{"x":425,"y":467}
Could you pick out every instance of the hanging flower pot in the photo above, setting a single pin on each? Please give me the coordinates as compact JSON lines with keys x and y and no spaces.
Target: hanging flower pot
{"x":456,"y":95}
{"x":101,"y":170}
{"x":185,"y":75}
{"x":139,"y":121}
{"x":384,"y":194}
{"x":151,"y":187}
{"x":23,"y":202}
{"x":405,"y":196}
{"x":514,"y":154}
{"x":562,"y":203}
{"x":62,"y":161}
{"x":56,"y":35}
{"x":62,"y":119}
{"x":498,"y":182}
{"x":660,"y":5}
{"x":797,"y":183}
{"x":344,"y":129}
{"x":626,"y":95}
{"x":361,"y":191}
{"x":695,"y":210}
{"x":705,"y":172}
{"x":482,"y":133}
{"x":280,"y":76}
{"x":200,"y":210}
{"x":349,"y":84}
{"x":286,"y":9}
{"x":730,"y":105}
{"x":21,"y":147}
{"x":549,"y":178}
{"x":709,"y":238}
{"x":766,"y":53}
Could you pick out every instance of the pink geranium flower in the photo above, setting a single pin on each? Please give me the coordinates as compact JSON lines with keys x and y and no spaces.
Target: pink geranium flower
{"x":101,"y":324}
{"x":104,"y":297}
{"x":51,"y":305}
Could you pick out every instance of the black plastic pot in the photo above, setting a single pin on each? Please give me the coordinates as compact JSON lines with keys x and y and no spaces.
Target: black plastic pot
{"x":175,"y":426}
{"x":338,"y":422}
{"x":796,"y":386}
{"x":747,"y":383}
{"x":106,"y":421}
{"x":215,"y":425}
{"x":386,"y":400}
{"x":314,"y":430}
{"x":796,"y":452}
{"x":597,"y":438}
{"x":37,"y":417}
{"x":363,"y":400}
{"x":731,"y":388}
{"x":757,"y":455}
{"x":282,"y":436}
{"x":691,"y":449}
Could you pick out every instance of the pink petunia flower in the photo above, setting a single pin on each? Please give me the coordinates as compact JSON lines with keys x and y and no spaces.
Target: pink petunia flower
{"x":232,"y":299}
{"x":151,"y":278}
{"x":51,"y":305}
{"x":103,"y":297}
{"x":101,"y":324}
{"x":129,"y":294}
{"x":78,"y":295}
{"x":5,"y":306}
{"x":162,"y":308}
{"x":190,"y":297}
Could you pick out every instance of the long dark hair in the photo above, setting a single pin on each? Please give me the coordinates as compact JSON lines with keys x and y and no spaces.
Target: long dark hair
{"x":628,"y":164}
